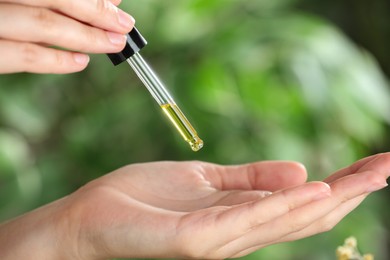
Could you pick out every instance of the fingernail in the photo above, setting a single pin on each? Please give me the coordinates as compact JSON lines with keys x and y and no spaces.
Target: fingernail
{"x":81,"y":58}
{"x":125,"y":19}
{"x":116,"y":38}
{"x":266,"y":193}
{"x":376,"y":186}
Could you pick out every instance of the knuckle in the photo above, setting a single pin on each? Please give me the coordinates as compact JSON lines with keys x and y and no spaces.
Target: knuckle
{"x":59,"y":58}
{"x":30,"y":54}
{"x":32,"y":58}
{"x":102,"y":6}
{"x":90,"y":35}
{"x":97,"y":10}
{"x":44,"y":18}
{"x":287,"y":202}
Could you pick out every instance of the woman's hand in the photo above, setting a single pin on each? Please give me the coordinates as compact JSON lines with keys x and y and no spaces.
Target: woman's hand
{"x":192,"y":210}
{"x":28,"y":29}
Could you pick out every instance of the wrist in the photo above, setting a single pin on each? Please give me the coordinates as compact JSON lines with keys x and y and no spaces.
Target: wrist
{"x":44,"y":233}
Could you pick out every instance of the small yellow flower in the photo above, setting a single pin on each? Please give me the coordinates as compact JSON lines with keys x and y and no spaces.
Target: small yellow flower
{"x":349,"y":251}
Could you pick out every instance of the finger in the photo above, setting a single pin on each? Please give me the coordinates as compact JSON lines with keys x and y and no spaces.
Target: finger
{"x":45,"y":26}
{"x":99,"y":13}
{"x":27,"y":57}
{"x":254,"y":214}
{"x":229,"y":224}
{"x":230,"y":198}
{"x":326,"y":223}
{"x":331,"y":219}
{"x":265,"y":175}
{"x":116,"y":2}
{"x":219,"y":198}
{"x":369,"y":163}
{"x":343,"y":190}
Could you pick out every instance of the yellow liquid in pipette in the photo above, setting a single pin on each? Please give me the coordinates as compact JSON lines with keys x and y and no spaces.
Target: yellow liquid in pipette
{"x":182,"y":124}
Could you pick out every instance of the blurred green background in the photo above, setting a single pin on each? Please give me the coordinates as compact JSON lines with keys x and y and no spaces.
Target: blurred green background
{"x":259,"y":80}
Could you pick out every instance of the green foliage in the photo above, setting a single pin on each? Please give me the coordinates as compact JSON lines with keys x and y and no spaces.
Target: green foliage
{"x":257,"y":79}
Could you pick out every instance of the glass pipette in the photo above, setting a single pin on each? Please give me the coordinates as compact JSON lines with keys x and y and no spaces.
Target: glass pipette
{"x":135,"y":42}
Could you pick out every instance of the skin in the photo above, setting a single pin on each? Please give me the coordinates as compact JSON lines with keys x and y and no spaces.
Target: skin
{"x":77,"y":26}
{"x":192,"y":210}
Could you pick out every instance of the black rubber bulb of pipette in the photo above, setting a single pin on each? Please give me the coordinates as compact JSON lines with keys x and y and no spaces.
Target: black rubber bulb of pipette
{"x":135,"y":42}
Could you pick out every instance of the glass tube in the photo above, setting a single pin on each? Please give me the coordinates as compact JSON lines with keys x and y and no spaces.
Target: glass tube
{"x":165,"y":100}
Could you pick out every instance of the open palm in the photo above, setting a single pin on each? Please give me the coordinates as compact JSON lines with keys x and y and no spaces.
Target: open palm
{"x":208,"y":211}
